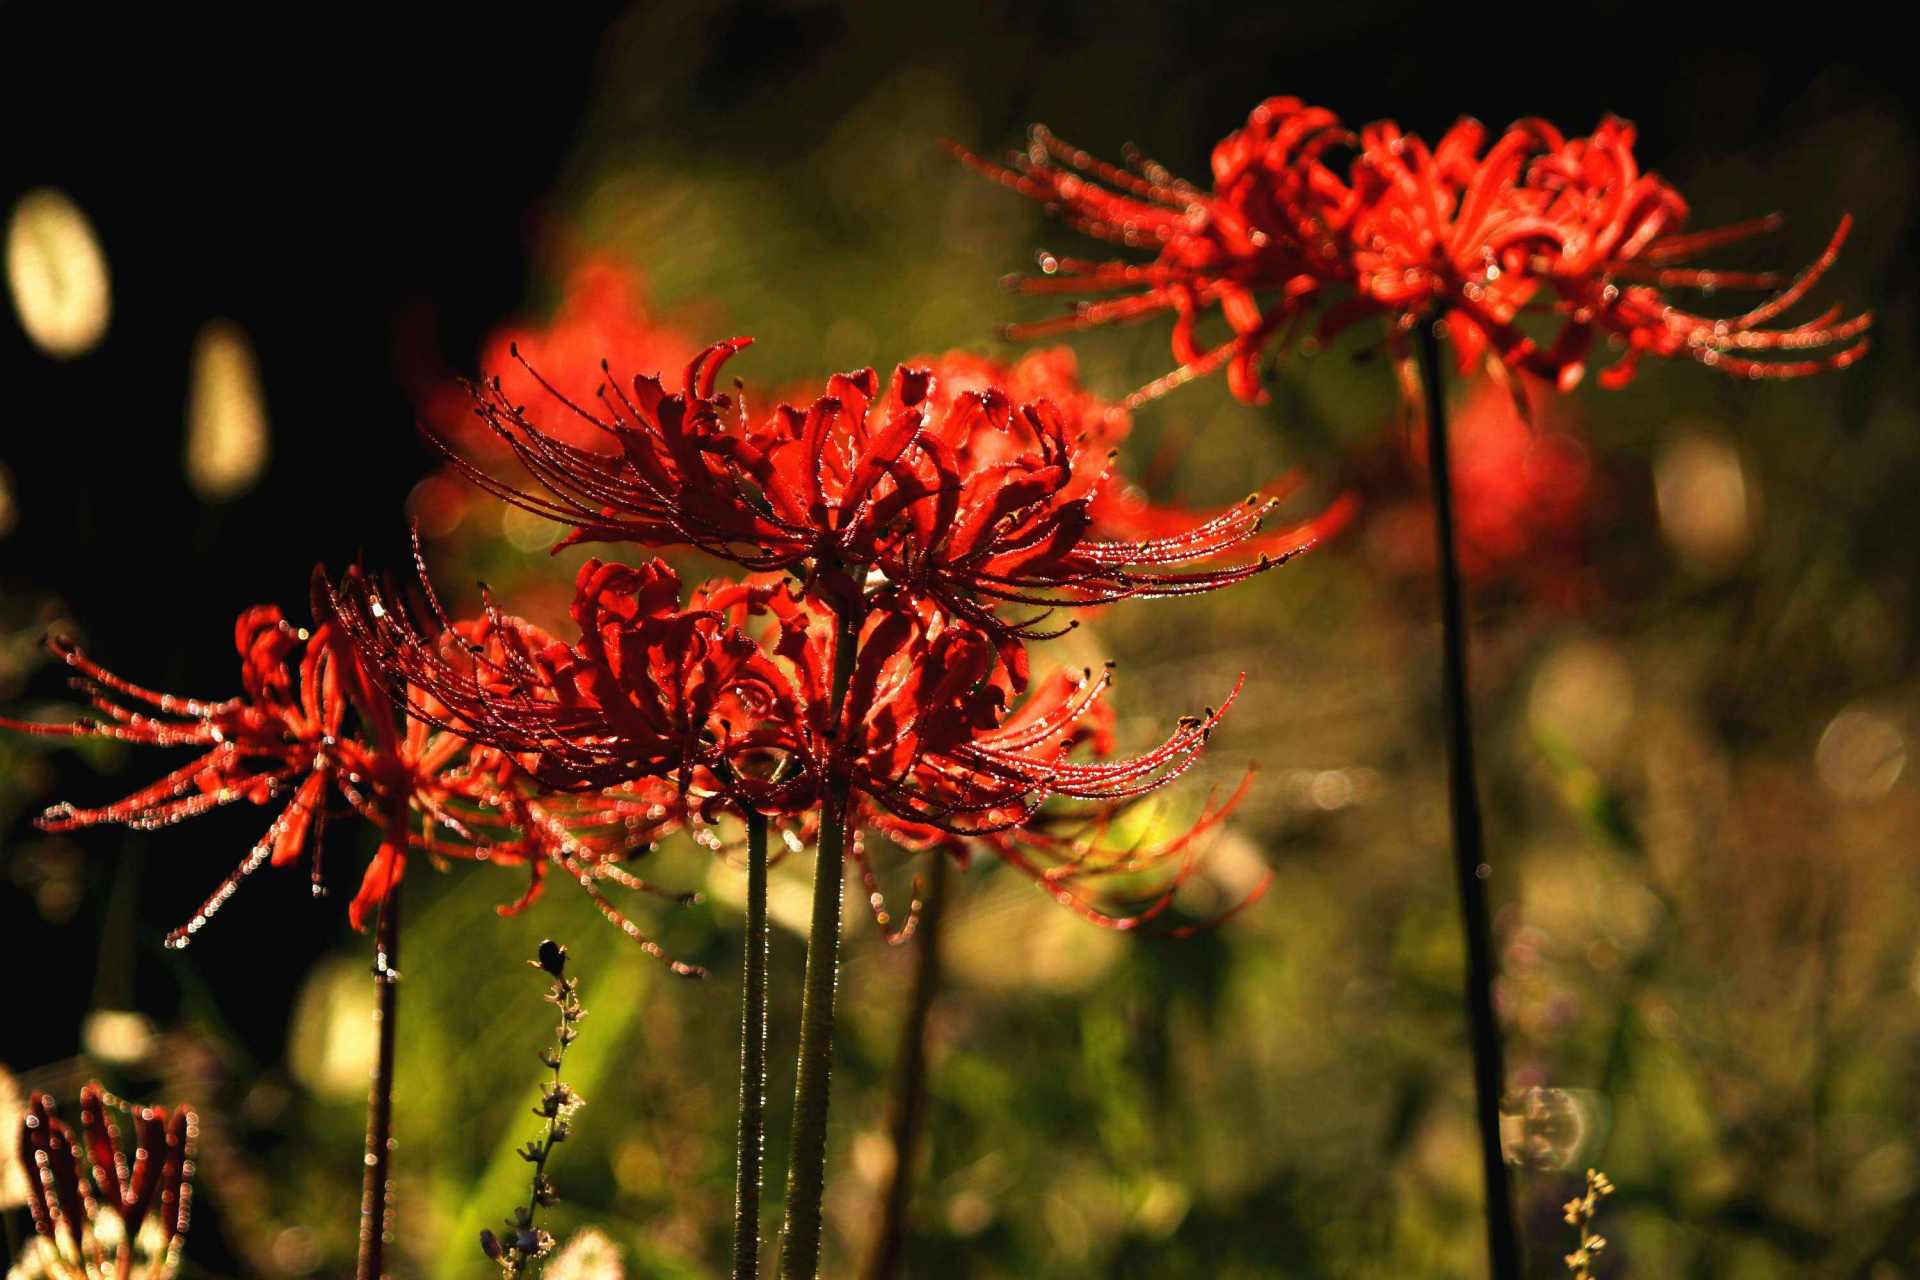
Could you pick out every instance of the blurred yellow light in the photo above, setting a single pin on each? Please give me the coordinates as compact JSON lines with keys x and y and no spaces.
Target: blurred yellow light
{"x":1016,"y":937}
{"x":57,"y":274}
{"x":969,"y":1213}
{"x":1583,"y":697}
{"x":119,"y":1036}
{"x":13,"y":1105}
{"x":589,"y":1255}
{"x":436,"y":506}
{"x":527,"y":531}
{"x":334,"y":1039}
{"x":1707,"y":509}
{"x":227,"y":438}
{"x":1861,"y":754}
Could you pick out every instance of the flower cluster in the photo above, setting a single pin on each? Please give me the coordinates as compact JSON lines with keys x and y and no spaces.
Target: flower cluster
{"x":311,"y":727}
{"x":903,"y":545}
{"x":89,"y":1228}
{"x":1473,"y":234}
{"x":603,"y":308}
{"x":968,"y":497}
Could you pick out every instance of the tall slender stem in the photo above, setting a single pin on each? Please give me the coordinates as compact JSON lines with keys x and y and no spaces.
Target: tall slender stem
{"x":1471,"y":870}
{"x":750,"y":1155}
{"x":807,"y":1167}
{"x":910,"y":1089}
{"x":379,"y":1156}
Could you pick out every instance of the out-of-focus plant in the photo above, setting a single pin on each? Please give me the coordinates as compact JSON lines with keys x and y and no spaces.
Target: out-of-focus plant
{"x":1581,"y":1212}
{"x":96,"y":1213}
{"x":520,"y":1248}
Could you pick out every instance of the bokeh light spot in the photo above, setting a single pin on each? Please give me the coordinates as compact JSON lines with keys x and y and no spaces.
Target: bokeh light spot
{"x":1861,"y":754}
{"x":57,"y":274}
{"x":1708,"y":509}
{"x":227,"y":436}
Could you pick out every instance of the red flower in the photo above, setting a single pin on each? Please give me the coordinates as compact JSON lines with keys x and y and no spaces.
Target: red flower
{"x":931,"y":731}
{"x":1068,"y":850}
{"x":287,"y":740}
{"x":1120,"y":510}
{"x":729,"y":697}
{"x":1411,"y":231}
{"x":634,"y":700}
{"x":969,"y":499}
{"x":268,"y":745}
{"x":153,"y":1190}
{"x":1524,"y":498}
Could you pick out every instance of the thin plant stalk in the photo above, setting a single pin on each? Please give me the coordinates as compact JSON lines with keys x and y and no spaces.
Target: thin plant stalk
{"x":379,"y":1156}
{"x":750,"y":1156}
{"x":910,"y":1084}
{"x":806,"y":1168}
{"x":1471,"y":869}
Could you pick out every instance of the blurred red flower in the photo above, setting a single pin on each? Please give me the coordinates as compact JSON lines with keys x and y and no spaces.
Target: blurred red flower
{"x":1524,"y":498}
{"x":603,"y":309}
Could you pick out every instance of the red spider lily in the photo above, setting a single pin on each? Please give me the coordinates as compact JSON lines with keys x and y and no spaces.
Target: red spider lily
{"x":1456,"y":231}
{"x":1119,"y":510}
{"x":729,"y":696}
{"x":971,"y":500}
{"x":271,"y":743}
{"x":148,"y":1200}
{"x":938,"y":752}
{"x":1067,"y":852}
{"x":285,"y":740}
{"x":633,"y":701}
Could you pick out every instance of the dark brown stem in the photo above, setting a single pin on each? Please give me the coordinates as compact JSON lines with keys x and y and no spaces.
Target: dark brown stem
{"x":750,"y":1155}
{"x":1471,"y":869}
{"x":807,"y":1166}
{"x":910,"y":1085}
{"x":374,"y":1211}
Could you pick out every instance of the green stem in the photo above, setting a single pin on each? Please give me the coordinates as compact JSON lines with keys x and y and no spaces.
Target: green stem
{"x":750,"y":1155}
{"x":807,"y":1167}
{"x":374,"y":1211}
{"x":1471,"y":870}
{"x":910,"y":1096}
